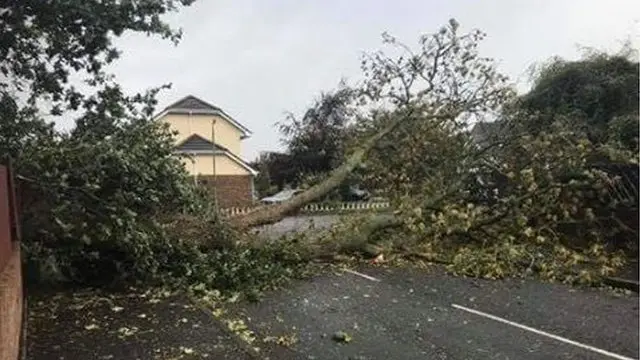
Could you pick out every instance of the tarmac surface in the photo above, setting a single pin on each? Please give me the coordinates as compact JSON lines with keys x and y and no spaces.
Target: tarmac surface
{"x":379,"y":314}
{"x":87,"y":324}
{"x":413,"y":314}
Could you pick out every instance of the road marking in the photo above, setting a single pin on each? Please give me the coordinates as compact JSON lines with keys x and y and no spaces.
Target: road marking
{"x":543,"y":333}
{"x":361,"y":275}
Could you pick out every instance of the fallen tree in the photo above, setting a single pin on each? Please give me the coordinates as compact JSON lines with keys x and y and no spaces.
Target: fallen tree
{"x":114,"y":204}
{"x":526,"y":204}
{"x":443,"y":81}
{"x":508,"y":203}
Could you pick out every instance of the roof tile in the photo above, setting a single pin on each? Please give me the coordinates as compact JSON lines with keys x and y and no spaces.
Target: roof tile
{"x":191,"y":102}
{"x":196,"y":142}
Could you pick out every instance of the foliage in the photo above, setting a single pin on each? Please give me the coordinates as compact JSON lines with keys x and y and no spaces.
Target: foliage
{"x":315,"y":142}
{"x":43,"y":43}
{"x":108,"y":202}
{"x":599,"y":92}
{"x":446,"y":80}
{"x":525,"y":201}
{"x":445,"y":77}
{"x":219,"y":257}
{"x":542,"y":207}
{"x":90,"y":196}
{"x":433,"y":91}
{"x":275,"y":172}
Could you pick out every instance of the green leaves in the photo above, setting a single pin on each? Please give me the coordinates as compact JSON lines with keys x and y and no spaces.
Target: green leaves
{"x":100,"y":202}
{"x":96,"y":189}
{"x":599,"y":93}
{"x":99,"y":190}
{"x":519,"y":201}
{"x":44,"y":42}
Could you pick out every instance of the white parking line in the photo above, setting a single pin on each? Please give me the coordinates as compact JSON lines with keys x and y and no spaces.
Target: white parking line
{"x":361,"y":275}
{"x":543,"y":333}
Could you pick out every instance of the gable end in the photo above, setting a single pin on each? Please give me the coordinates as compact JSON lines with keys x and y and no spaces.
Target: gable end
{"x":192,"y":105}
{"x":196,"y":142}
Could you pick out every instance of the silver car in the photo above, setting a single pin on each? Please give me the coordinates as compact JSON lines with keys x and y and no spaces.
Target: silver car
{"x":282,"y":196}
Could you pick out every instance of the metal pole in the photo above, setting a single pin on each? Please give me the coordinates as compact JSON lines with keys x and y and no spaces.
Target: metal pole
{"x":215,"y":179}
{"x":194,"y":169}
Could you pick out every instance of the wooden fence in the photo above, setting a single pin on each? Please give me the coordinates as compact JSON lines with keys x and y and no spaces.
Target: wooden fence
{"x":342,"y":207}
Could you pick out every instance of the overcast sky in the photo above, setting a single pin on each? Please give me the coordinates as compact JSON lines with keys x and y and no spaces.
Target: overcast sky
{"x":258,"y":58}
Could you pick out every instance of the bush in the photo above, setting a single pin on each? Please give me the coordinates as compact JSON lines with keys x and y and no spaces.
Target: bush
{"x":91,"y":198}
{"x":99,"y":203}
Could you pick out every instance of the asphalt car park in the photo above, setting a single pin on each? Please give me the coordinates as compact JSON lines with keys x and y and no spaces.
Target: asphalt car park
{"x":418,"y":314}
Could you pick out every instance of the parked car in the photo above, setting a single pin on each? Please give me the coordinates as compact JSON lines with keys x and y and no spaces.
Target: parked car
{"x":282,"y":196}
{"x":357,"y":194}
{"x":354,"y":193}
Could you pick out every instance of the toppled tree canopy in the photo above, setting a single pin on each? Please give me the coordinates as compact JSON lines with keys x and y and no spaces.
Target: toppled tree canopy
{"x":90,"y":197}
{"x":444,"y":81}
{"x":527,"y":198}
{"x":524,"y":198}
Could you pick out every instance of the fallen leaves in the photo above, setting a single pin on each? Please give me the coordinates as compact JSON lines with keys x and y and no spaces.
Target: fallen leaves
{"x":286,"y":340}
{"x":115,"y":324}
{"x":91,"y":327}
{"x":341,"y":337}
{"x":240,"y":329}
{"x":187,"y":350}
{"x":126,"y":331}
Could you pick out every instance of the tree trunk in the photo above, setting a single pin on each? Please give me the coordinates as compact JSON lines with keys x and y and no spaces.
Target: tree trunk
{"x":273,"y":213}
{"x":319,"y":246}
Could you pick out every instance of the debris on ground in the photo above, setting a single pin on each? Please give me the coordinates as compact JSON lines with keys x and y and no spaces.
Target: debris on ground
{"x":137,"y":324}
{"x":341,"y":337}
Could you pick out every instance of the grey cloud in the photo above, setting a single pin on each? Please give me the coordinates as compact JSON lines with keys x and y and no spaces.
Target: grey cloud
{"x":256,"y":59}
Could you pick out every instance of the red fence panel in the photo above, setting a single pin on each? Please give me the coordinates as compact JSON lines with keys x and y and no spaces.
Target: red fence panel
{"x":6,"y":246}
{"x":12,"y":302}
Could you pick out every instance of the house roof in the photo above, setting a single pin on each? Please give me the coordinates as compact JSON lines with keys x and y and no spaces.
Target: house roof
{"x":196,"y":144}
{"x":193,"y":105}
{"x":192,"y":102}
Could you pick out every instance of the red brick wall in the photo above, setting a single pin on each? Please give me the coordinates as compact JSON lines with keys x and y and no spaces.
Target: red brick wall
{"x":11,"y":306}
{"x":10,"y":270}
{"x":232,"y":190}
{"x":5,"y":218}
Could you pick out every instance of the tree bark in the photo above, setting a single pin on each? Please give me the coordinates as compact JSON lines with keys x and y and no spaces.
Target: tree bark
{"x":321,"y":247}
{"x":273,"y":213}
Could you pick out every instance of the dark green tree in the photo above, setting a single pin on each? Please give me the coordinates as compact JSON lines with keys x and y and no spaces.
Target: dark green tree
{"x":42,"y":43}
{"x":600,"y":93}
{"x":275,"y":172}
{"x":316,"y":141}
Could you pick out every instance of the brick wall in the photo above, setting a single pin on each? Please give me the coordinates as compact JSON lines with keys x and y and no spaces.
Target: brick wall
{"x":10,"y":270}
{"x":232,"y":190}
{"x":11,"y":306}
